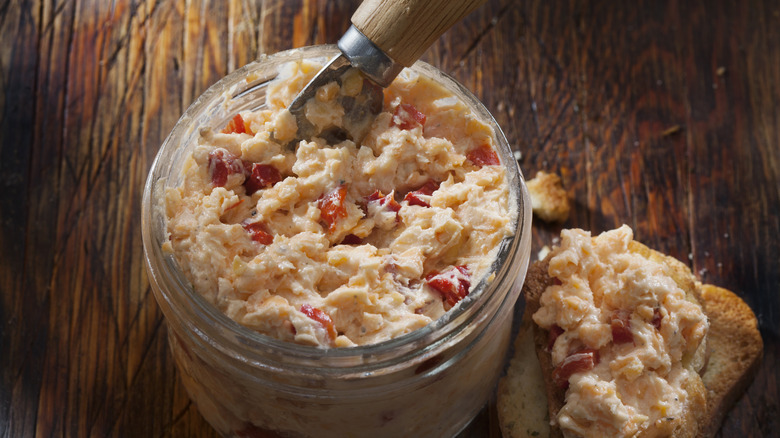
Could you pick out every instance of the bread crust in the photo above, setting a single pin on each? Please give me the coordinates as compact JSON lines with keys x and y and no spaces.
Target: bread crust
{"x":727,"y":361}
{"x":520,"y":413}
{"x":736,"y":349}
{"x":537,"y":281}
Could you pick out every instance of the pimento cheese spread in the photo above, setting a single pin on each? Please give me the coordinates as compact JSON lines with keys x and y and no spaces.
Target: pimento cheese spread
{"x":623,"y":328}
{"x":341,"y":244}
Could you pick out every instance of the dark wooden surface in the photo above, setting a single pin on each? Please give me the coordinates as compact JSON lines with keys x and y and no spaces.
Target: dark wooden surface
{"x":660,"y":114}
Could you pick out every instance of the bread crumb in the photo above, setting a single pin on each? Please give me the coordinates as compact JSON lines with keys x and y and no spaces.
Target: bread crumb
{"x":548,"y":198}
{"x":543,"y":252}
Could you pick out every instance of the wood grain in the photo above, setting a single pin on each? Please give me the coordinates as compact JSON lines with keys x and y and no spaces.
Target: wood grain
{"x":663,"y":115}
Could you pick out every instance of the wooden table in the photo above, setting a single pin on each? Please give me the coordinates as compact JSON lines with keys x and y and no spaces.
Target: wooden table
{"x":664,"y":115}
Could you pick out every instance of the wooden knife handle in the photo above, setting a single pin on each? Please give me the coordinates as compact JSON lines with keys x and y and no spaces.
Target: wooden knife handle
{"x":404,"y":29}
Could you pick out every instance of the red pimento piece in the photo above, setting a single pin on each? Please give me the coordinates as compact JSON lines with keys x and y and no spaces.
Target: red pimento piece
{"x":259,"y":232}
{"x":321,"y":317}
{"x":377,"y":195}
{"x":387,"y":201}
{"x":657,"y":317}
{"x":406,"y":116}
{"x":351,"y":239}
{"x":416,"y":197}
{"x":332,"y":206}
{"x":237,"y":126}
{"x":552,"y":335}
{"x":483,"y":155}
{"x":621,"y":328}
{"x":453,"y":284}
{"x":290,"y":327}
{"x":578,"y":362}
{"x":261,"y":176}
{"x":222,"y":164}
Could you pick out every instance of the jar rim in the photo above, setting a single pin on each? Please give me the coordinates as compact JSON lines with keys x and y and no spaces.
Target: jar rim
{"x":209,"y":323}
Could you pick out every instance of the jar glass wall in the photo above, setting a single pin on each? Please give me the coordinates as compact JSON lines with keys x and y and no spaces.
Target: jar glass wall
{"x":430,"y":382}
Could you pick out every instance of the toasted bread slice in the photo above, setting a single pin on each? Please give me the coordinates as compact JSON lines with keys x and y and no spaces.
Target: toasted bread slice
{"x":734,"y":346}
{"x":535,"y":284}
{"x":538,"y":280}
{"x":522,"y":393}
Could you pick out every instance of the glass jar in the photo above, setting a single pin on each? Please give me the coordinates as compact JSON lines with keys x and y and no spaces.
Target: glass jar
{"x":428,"y":383}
